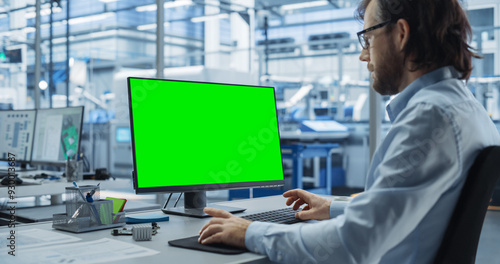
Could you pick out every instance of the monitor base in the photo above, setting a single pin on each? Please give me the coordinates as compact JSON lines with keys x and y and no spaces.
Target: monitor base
{"x":198,"y":212}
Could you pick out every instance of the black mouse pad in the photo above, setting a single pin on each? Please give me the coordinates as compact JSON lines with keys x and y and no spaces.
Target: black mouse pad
{"x":192,"y":243}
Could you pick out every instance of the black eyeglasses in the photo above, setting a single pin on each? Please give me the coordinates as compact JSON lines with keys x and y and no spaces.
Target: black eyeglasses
{"x":363,"y":40}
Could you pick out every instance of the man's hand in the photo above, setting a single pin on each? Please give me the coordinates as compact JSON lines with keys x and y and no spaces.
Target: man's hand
{"x":224,"y":228}
{"x":317,"y":208}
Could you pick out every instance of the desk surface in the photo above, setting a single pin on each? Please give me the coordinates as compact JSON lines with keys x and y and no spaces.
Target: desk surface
{"x":299,"y":135}
{"x":52,"y":187}
{"x":177,"y":227}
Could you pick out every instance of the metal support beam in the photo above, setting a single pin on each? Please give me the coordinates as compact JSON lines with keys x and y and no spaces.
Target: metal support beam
{"x":266,"y":51}
{"x":67,"y":53}
{"x":160,"y":38}
{"x":51,"y":57}
{"x":38,"y":54}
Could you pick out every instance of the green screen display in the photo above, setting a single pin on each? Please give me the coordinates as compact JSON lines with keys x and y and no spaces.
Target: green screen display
{"x":198,"y":134}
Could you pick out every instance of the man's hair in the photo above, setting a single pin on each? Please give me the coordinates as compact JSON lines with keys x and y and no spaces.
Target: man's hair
{"x":439,"y":32}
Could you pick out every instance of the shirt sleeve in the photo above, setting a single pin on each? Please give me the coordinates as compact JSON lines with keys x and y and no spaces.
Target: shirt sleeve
{"x":407,"y":181}
{"x":337,"y":208}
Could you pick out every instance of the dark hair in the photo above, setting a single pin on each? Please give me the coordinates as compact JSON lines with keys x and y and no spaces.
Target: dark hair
{"x":439,"y":31}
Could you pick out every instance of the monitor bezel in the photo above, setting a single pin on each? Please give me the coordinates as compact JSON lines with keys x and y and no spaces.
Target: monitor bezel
{"x":197,"y":187}
{"x":32,"y":134}
{"x":51,"y":162}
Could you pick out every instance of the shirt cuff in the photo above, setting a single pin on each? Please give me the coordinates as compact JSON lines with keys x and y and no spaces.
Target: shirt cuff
{"x":254,"y":237}
{"x":337,"y":208}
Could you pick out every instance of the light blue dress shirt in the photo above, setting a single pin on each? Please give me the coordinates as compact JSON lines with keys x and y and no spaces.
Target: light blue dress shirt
{"x":413,"y":183}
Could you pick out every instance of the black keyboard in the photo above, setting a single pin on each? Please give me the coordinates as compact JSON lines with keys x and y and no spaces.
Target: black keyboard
{"x":280,"y":216}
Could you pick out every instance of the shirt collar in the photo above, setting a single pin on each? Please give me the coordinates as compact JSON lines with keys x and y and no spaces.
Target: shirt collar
{"x":401,"y":100}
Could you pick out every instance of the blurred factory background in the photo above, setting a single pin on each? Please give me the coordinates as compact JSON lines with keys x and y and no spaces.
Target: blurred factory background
{"x":73,"y":53}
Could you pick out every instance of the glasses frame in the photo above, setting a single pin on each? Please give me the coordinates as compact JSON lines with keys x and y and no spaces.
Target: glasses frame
{"x":361,"y":34}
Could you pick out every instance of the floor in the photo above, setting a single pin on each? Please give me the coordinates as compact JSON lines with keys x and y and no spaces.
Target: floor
{"x":489,"y":242}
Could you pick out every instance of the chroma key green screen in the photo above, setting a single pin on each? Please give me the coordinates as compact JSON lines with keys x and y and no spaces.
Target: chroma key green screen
{"x":190,"y":136}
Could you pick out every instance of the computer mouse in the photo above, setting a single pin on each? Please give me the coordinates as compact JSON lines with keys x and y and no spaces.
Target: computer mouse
{"x":6,"y":180}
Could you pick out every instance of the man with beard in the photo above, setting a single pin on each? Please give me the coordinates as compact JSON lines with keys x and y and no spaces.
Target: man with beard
{"x":417,"y":49}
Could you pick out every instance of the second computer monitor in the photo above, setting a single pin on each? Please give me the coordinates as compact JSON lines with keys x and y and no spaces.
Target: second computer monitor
{"x":57,"y":135}
{"x":16,"y":134}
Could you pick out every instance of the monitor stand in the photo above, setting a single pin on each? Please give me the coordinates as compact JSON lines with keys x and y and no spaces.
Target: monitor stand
{"x":194,"y":202}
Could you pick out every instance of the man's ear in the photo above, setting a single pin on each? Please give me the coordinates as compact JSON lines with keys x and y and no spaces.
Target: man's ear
{"x":402,"y":34}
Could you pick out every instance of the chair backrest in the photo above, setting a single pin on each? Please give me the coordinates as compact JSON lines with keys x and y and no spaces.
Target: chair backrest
{"x":460,"y":241}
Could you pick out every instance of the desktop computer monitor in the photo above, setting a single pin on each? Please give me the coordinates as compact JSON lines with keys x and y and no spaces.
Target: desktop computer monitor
{"x":194,"y":137}
{"x":16,"y":134}
{"x":57,"y":135}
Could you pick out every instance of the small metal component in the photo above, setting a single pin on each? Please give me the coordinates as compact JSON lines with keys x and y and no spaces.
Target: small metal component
{"x":138,"y":232}
{"x":142,"y":232}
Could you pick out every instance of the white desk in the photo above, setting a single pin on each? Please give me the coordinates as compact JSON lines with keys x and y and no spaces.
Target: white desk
{"x":57,"y":188}
{"x":178,"y":227}
{"x":311,"y":136}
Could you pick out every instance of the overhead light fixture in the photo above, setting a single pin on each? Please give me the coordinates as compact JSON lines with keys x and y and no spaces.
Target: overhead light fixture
{"x":43,"y":85}
{"x":305,"y":5}
{"x":29,"y":30}
{"x":145,"y":8}
{"x":177,"y":3}
{"x":43,"y":12}
{"x":209,"y":17}
{"x":100,"y":34}
{"x":146,"y":27}
{"x":151,"y":26}
{"x":92,"y":18}
{"x":108,"y":1}
{"x":170,"y":4}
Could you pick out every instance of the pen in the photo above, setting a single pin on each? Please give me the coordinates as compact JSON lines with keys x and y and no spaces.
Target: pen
{"x":92,"y":207}
{"x":78,"y":188}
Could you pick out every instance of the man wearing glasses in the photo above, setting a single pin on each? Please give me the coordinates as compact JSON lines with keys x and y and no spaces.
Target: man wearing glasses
{"x":417,"y":49}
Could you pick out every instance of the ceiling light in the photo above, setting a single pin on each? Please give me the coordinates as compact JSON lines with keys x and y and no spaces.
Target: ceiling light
{"x":170,"y":4}
{"x":151,"y":26}
{"x":145,"y":8}
{"x":43,"y":85}
{"x":177,"y":3}
{"x":108,"y":1}
{"x":304,"y":5}
{"x":43,"y":12}
{"x":29,"y":30}
{"x":210,"y":17}
{"x":146,"y":27}
{"x":92,"y":18}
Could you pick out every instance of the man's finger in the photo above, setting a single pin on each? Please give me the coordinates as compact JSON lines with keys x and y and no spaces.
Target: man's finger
{"x":292,"y":199}
{"x":216,"y":238}
{"x":217,"y":212}
{"x":294,"y":192}
{"x":210,"y":231}
{"x":304,"y":215}
{"x":298,"y":204}
{"x":211,"y":222}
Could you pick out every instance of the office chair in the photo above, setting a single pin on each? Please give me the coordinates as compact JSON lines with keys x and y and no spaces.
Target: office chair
{"x":460,"y":241}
